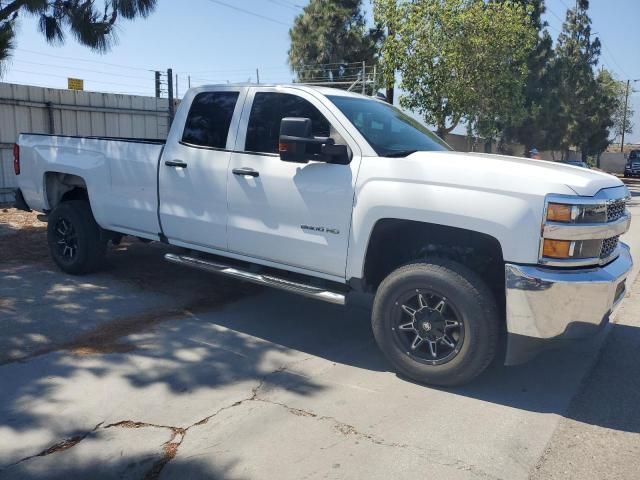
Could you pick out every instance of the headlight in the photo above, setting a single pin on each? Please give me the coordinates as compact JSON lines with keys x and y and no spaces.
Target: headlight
{"x":566,"y":249}
{"x":583,"y":231}
{"x":561,"y":212}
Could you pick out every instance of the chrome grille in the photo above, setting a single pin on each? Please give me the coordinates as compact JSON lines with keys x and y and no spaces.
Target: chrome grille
{"x":608,"y":247}
{"x":615,"y":210}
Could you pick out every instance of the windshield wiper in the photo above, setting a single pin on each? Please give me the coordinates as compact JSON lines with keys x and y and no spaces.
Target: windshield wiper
{"x":400,"y":153}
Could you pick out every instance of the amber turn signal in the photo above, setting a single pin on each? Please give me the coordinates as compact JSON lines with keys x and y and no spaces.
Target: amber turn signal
{"x":559,"y":212}
{"x":556,"y":248}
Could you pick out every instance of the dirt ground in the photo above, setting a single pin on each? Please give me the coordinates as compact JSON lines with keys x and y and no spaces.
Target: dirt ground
{"x":23,"y":238}
{"x":23,"y":244}
{"x":150,"y":370}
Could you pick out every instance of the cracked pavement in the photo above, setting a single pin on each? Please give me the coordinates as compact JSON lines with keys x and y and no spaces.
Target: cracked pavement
{"x":151,"y":371}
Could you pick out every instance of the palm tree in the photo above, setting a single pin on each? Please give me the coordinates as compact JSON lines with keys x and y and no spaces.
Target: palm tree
{"x":90,"y":25}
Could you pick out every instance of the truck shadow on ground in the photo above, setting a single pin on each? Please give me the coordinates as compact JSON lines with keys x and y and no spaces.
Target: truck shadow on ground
{"x":200,"y":335}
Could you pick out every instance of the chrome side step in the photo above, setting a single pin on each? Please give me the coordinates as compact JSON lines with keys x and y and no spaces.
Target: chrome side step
{"x":261,"y":279}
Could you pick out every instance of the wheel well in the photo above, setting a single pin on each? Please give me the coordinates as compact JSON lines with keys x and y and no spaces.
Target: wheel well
{"x":62,"y":187}
{"x":395,"y":242}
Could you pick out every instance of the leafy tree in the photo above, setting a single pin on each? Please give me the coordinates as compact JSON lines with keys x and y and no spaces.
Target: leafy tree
{"x":620,"y":120}
{"x":388,"y":17}
{"x":87,"y":22}
{"x":606,"y":103}
{"x":462,"y":59}
{"x":329,"y":40}
{"x":536,"y":127}
{"x":576,"y":56}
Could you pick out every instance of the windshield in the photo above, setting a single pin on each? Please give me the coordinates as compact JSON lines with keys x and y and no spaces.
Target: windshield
{"x":390,"y":132}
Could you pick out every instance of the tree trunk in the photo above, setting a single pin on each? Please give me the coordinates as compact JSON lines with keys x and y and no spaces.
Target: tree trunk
{"x":389,"y":93}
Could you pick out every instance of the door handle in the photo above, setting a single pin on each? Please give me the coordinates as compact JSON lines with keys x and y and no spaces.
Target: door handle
{"x":175,"y":163}
{"x":245,"y":172}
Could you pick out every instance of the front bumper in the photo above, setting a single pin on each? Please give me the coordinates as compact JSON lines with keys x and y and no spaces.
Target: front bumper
{"x":545,"y":305}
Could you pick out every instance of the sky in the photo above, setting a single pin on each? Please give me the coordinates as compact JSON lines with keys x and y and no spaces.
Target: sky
{"x":215,"y":41}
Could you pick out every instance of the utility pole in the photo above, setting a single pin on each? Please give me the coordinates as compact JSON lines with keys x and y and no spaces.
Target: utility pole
{"x":624,"y":114}
{"x":177,"y":94}
{"x":158,"y":88}
{"x":257,"y":76}
{"x":364,"y":79}
{"x":189,"y":81}
{"x":374,"y":90}
{"x":170,"y":91}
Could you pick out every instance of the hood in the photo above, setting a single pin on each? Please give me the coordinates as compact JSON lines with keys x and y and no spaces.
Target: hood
{"x":508,"y":173}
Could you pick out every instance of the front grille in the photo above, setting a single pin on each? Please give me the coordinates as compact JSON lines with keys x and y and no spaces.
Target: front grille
{"x":608,"y":247}
{"x":615,"y":210}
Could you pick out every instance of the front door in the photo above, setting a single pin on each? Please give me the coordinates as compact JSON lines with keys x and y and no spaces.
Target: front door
{"x":193,"y":169}
{"x":293,"y":214}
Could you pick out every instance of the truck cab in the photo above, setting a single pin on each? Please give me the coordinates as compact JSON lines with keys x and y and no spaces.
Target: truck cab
{"x":339,"y":197}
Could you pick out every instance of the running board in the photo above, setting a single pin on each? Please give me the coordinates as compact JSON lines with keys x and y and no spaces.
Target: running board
{"x":261,"y":279}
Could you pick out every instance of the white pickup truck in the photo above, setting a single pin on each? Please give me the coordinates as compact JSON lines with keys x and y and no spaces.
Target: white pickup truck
{"x":337,"y":196}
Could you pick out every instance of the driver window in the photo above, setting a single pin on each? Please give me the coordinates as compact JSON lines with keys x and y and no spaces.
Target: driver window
{"x":269,"y":108}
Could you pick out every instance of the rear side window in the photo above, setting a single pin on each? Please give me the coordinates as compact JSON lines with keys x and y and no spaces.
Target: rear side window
{"x":268,"y":109}
{"x":209,"y":119}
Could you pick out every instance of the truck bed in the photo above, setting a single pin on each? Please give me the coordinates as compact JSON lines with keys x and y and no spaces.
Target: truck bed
{"x":120,"y":175}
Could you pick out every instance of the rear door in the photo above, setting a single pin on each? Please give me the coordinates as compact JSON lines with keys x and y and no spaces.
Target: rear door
{"x":293,"y":214}
{"x":193,"y":168}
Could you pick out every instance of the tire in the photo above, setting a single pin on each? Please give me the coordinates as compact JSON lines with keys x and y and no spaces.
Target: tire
{"x":466,"y":349}
{"x":75,"y":241}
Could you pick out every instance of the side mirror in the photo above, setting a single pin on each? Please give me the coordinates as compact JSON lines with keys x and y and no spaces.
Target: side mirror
{"x":295,"y":135}
{"x":297,"y":144}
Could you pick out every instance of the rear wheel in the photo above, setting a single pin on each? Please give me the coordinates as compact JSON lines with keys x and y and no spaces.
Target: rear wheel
{"x":436,"y":322}
{"x":75,"y":241}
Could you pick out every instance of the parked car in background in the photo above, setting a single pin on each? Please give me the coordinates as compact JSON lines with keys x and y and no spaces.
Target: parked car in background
{"x":632,"y":168}
{"x":576,"y":163}
{"x":336,"y":196}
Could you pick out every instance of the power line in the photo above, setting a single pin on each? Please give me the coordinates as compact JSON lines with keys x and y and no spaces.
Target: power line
{"x":248,"y":12}
{"x":604,"y":45}
{"x":85,"y":60}
{"x":43,"y":85}
{"x":82,"y":69}
{"x":555,"y":15}
{"x":283,"y":4}
{"x":347,"y":65}
{"x":86,"y":79}
{"x":614,"y":60}
{"x":293,"y":4}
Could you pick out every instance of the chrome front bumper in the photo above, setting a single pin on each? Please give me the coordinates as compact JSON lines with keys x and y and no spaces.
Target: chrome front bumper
{"x":544,"y":304}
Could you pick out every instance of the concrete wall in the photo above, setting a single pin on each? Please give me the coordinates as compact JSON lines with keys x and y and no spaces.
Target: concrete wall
{"x":26,"y":109}
{"x":613,"y":162}
{"x":462,"y":143}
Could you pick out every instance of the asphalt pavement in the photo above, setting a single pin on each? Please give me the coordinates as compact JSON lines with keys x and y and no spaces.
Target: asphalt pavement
{"x":599,"y":436}
{"x":148,"y":370}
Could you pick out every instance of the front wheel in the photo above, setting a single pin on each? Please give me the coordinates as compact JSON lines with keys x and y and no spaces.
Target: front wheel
{"x":75,"y":241}
{"x":436,"y":322}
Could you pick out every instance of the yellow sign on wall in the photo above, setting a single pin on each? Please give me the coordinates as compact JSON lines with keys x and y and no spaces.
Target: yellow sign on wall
{"x":75,"y":84}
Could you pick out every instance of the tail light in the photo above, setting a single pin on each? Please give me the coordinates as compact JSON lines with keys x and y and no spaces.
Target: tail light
{"x":16,"y":159}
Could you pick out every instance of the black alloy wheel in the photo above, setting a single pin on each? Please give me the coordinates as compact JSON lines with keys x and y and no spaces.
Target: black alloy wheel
{"x":428,"y":326}
{"x":66,"y":239}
